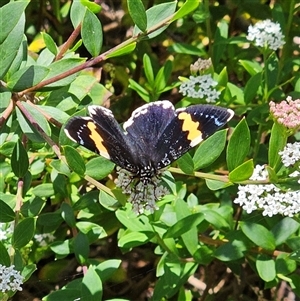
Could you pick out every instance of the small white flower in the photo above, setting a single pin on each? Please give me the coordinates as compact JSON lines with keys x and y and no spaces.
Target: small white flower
{"x":6,"y":230}
{"x":44,"y":239}
{"x":266,"y":33}
{"x":201,"y":86}
{"x":268,"y":198}
{"x":290,"y":154}
{"x":10,"y":279}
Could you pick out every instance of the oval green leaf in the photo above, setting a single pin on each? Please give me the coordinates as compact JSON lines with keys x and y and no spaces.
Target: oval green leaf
{"x":23,"y":232}
{"x":91,"y":32}
{"x":6,"y":213}
{"x":81,"y":247}
{"x":277,"y":143}
{"x":19,"y":160}
{"x":137,"y":12}
{"x":210,"y":149}
{"x":265,"y":267}
{"x":238,"y":146}
{"x":74,"y":160}
{"x":242,"y":172}
{"x":258,"y":234}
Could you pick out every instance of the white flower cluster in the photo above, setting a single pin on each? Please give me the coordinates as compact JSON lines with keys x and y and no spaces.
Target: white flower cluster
{"x":200,"y":86}
{"x":200,"y":65}
{"x":6,"y":230}
{"x":266,"y":33}
{"x":268,"y":198}
{"x":44,"y":239}
{"x":10,"y":279}
{"x":143,"y":197}
{"x":291,"y":156}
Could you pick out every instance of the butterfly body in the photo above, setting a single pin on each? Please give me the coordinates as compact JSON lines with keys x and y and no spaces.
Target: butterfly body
{"x":152,"y":138}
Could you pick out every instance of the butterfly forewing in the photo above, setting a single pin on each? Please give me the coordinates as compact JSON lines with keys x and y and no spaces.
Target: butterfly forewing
{"x":102,"y":134}
{"x":190,"y":126}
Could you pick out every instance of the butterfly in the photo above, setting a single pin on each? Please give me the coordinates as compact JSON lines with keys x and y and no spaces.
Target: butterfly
{"x":153,"y":137}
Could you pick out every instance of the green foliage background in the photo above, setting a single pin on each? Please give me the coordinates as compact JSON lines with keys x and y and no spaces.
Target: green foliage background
{"x":47,"y":186}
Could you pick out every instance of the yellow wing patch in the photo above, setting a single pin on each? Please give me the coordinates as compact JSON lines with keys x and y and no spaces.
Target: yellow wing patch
{"x":192,"y":127}
{"x":98,"y":140}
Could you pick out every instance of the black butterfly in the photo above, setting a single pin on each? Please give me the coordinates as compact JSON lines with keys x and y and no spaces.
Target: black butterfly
{"x":152,"y":138}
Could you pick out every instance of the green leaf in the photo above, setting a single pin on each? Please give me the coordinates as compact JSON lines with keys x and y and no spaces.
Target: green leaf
{"x":252,"y":86}
{"x":92,"y":230}
{"x":185,"y":9}
{"x":133,"y":222}
{"x":277,"y":143}
{"x":27,"y":77}
{"x":10,"y":16}
{"x":155,"y":15}
{"x":74,"y":160}
{"x":252,"y":67}
{"x":272,"y":68}
{"x":216,"y":219}
{"x":23,"y":233}
{"x":77,"y":13}
{"x":107,"y":268}
{"x":242,"y":172}
{"x":92,"y":6}
{"x":148,"y":69}
{"x":174,"y":276}
{"x":91,"y":287}
{"x":28,"y":128}
{"x":58,"y":114}
{"x":210,"y":149}
{"x":220,"y":41}
{"x":162,"y":77}
{"x":134,"y":239}
{"x":284,"y":229}
{"x":19,"y":160}
{"x":184,"y":225}
{"x":43,"y":190}
{"x":230,"y":251}
{"x":91,"y":32}
{"x":265,"y":267}
{"x":61,"y":167}
{"x":20,"y":58}
{"x":61,"y":248}
{"x":6,"y":213}
{"x":107,"y":201}
{"x":260,"y":235}
{"x":238,"y":146}
{"x":81,"y":248}
{"x":284,"y":264}
{"x":50,"y":44}
{"x":67,"y":214}
{"x":58,"y":67}
{"x":216,"y":185}
{"x":186,"y":164}
{"x":121,"y":51}
{"x":11,"y":45}
{"x":137,"y":12}
{"x":65,"y":294}
{"x":99,"y":168}
{"x":4,"y":257}
{"x":186,"y":49}
{"x":143,"y":93}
